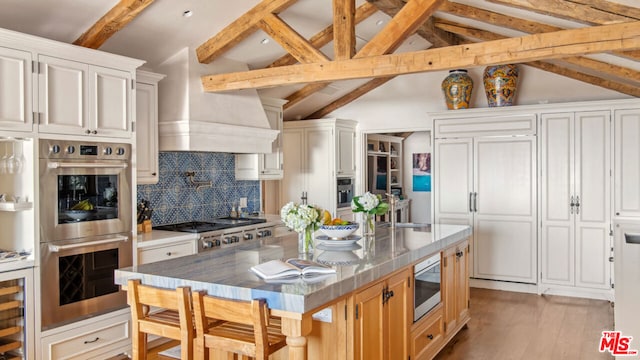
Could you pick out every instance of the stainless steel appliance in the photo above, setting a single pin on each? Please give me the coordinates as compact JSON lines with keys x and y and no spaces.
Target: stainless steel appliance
{"x":627,"y":257}
{"x":345,"y":192}
{"x":223,"y":232}
{"x":426,"y":286}
{"x":86,"y":228}
{"x":86,"y":189}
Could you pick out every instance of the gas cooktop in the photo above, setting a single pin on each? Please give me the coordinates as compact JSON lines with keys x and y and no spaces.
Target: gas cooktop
{"x":204,"y":226}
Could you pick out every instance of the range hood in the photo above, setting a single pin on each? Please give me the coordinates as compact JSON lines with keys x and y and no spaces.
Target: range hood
{"x":190,"y":119}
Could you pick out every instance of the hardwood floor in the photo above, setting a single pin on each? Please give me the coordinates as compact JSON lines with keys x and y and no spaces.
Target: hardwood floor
{"x":508,"y":325}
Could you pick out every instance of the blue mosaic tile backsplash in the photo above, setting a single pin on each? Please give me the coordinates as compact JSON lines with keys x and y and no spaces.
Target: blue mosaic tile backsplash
{"x":174,"y":199}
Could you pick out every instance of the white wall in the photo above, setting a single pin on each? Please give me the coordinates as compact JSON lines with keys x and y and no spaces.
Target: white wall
{"x":418,"y":142}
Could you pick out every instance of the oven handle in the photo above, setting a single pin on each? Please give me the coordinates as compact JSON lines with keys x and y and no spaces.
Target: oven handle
{"x":60,"y":165}
{"x":58,"y":248}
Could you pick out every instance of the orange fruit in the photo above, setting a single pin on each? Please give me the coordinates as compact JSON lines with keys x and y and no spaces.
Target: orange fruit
{"x":336,"y":221}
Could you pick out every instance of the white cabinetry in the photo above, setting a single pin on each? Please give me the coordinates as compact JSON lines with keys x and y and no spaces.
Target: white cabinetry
{"x":485,"y":176}
{"x":575,"y":207}
{"x":158,"y":253}
{"x":345,"y":151}
{"x":265,"y":166}
{"x":627,"y":163}
{"x":15,"y":90}
{"x":310,"y":152}
{"x":83,"y":99}
{"x":147,"y":127}
{"x":101,"y":337}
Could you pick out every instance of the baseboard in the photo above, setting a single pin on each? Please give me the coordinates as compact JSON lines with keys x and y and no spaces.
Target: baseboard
{"x":597,"y":294}
{"x":503,"y":285}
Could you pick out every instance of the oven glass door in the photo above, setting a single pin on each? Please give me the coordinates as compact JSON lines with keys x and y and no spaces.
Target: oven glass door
{"x":427,"y":288}
{"x":77,"y":277}
{"x":84,"y":198}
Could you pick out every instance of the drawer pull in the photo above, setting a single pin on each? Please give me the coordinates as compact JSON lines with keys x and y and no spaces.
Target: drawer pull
{"x":430,"y":336}
{"x":91,"y":341}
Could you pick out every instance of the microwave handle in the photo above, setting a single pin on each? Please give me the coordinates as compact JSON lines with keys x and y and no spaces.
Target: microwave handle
{"x":58,"y":248}
{"x":59,"y":165}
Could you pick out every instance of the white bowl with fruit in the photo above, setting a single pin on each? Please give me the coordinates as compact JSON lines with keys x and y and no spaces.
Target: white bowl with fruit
{"x":337,"y":228}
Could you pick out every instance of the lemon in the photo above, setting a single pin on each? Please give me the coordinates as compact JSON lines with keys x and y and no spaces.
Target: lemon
{"x":326,"y":217}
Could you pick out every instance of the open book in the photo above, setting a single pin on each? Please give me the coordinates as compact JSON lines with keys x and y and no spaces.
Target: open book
{"x":278,"y":269}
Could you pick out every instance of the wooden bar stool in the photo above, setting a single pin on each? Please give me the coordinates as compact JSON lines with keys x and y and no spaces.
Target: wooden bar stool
{"x":245,"y":328}
{"x":175,"y":321}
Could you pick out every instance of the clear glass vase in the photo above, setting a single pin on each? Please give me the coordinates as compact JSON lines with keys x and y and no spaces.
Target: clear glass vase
{"x":305,"y":241}
{"x":368,"y":225}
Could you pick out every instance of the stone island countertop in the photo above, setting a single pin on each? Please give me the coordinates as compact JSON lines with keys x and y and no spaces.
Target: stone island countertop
{"x":225,"y":272}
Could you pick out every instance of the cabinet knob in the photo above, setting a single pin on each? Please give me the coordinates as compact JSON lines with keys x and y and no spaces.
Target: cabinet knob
{"x":169,"y":253}
{"x":94,"y":132}
{"x":88,"y":131}
{"x":618,"y":213}
{"x":430,"y":336}
{"x":154,"y":174}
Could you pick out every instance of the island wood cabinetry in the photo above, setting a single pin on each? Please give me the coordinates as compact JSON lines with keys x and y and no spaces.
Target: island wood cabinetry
{"x":147,"y":127}
{"x":316,"y":153}
{"x":382,"y":318}
{"x":268,"y":166}
{"x":485,"y":175}
{"x":575,"y":211}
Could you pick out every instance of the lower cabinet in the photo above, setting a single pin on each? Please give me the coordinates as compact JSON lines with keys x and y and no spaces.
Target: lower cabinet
{"x":382,"y":318}
{"x":428,"y":336}
{"x":97,"y":338}
{"x":166,"y":252}
{"x":455,"y":286}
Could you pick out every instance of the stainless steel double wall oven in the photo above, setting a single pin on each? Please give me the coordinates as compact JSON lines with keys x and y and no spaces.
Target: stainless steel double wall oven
{"x":85,"y":227}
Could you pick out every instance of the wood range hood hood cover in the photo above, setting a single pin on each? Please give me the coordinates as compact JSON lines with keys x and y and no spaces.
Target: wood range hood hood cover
{"x":190,"y":119}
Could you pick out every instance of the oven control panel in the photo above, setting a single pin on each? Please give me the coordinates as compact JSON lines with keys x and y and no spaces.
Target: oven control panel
{"x":83,"y":150}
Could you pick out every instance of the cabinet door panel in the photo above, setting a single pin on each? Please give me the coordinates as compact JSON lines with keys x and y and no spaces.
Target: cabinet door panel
{"x":272,"y":162}
{"x":15,"y":89}
{"x":293,"y":184}
{"x":319,"y":168}
{"x":627,"y":163}
{"x":146,"y":134}
{"x":110,"y":103}
{"x":345,"y":156}
{"x":462,"y":281}
{"x":369,"y":330}
{"x":398,"y":317}
{"x":592,"y":253}
{"x":505,"y":250}
{"x":63,"y":96}
{"x":558,"y":254}
{"x":453,"y":178}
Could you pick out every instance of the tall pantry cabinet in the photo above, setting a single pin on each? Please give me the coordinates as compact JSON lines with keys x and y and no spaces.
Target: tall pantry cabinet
{"x":485,"y":176}
{"x":316,"y":153}
{"x":575,"y":199}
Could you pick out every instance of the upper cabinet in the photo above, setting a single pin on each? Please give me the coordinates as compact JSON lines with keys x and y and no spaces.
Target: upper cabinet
{"x":15,"y":90}
{"x":147,"y":126}
{"x":82,"y":99}
{"x":64,"y":89}
{"x":345,"y":151}
{"x":266,"y":166}
{"x":627,"y":163}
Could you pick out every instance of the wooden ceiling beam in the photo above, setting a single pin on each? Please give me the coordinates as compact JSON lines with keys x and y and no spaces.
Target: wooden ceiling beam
{"x":403,"y":24}
{"x":553,"y":45}
{"x":290,"y":40}
{"x":571,"y":10}
{"x":111,"y":22}
{"x":344,"y":29}
{"x":514,"y":23}
{"x":239,"y":29}
{"x":303,"y":93}
{"x":325,"y":36}
{"x":581,"y":61}
{"x":611,"y":7}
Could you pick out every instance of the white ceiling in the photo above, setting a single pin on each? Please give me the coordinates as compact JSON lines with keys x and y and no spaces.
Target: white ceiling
{"x":161,"y":30}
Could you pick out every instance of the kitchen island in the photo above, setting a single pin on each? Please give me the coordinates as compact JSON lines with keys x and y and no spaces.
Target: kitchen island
{"x":225,"y":273}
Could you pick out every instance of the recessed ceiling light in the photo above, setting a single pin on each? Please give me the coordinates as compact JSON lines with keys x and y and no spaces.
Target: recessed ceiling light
{"x":187,"y":13}
{"x":379,"y":22}
{"x":264,"y":41}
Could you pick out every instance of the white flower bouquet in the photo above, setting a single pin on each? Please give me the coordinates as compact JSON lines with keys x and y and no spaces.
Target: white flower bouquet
{"x":370,"y":205}
{"x":303,"y":219}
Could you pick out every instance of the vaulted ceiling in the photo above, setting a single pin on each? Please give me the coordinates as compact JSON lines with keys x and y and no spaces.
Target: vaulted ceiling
{"x":322,"y":54}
